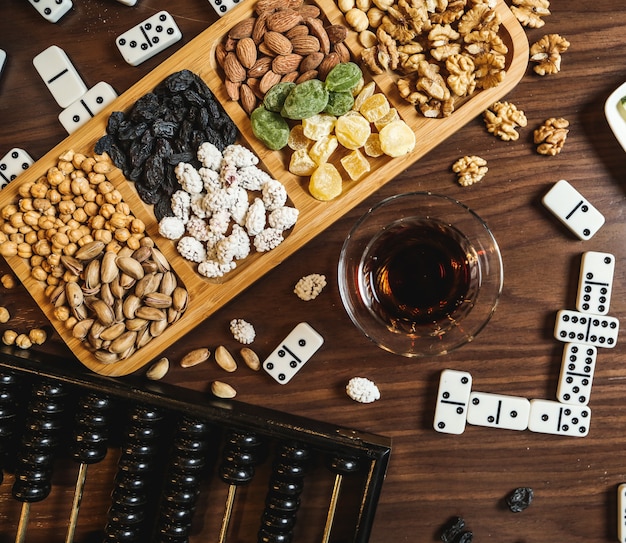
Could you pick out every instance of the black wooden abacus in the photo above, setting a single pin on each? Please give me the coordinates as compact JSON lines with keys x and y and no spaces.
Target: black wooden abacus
{"x":178,"y":451}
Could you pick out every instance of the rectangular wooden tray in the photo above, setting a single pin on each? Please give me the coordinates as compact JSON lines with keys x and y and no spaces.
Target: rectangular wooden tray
{"x":207,"y":296}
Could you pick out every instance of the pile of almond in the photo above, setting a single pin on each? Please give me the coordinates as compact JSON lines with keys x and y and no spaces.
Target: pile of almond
{"x":285,"y":40}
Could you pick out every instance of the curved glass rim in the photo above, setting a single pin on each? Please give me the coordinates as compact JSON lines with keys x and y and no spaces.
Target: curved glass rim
{"x":491,"y":271}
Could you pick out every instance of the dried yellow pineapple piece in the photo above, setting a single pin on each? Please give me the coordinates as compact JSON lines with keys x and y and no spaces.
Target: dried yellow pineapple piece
{"x":352,"y":131}
{"x":375,"y":107}
{"x":355,"y":164}
{"x":322,"y":149}
{"x":325,"y":182}
{"x":392,"y":115}
{"x":301,"y":163}
{"x":318,"y":126}
{"x":397,"y":139}
{"x":364,"y":94}
{"x":372,"y":146}
{"x":297,"y":139}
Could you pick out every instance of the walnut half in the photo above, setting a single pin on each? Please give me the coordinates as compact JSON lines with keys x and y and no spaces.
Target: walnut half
{"x":551,"y":135}
{"x":470,"y":169}
{"x":547,"y":53}
{"x":502,"y":119}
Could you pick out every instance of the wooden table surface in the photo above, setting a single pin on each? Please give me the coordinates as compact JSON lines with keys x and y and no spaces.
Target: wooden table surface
{"x":431,"y":476}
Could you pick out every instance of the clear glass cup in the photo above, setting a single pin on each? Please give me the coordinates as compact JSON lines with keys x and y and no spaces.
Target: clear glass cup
{"x":420,"y":274}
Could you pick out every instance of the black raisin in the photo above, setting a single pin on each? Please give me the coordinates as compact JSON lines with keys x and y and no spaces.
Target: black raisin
{"x":175,"y":158}
{"x":520,"y":499}
{"x":164,"y":129}
{"x":163,"y":149}
{"x":452,"y":529}
{"x":163,"y":208}
{"x":154,"y":171}
{"x":103,"y":145}
{"x":145,"y":108}
{"x":193,"y":98}
{"x":179,"y":81}
{"x":464,"y":537}
{"x":128,"y":130}
{"x":149,"y":196}
{"x":140,"y":150}
{"x":114,"y":121}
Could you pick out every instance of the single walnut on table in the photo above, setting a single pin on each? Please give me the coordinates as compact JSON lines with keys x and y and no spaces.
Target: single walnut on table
{"x":530,"y":12}
{"x":551,"y":135}
{"x":470,"y":169}
{"x":502,"y":119}
{"x":547,"y":54}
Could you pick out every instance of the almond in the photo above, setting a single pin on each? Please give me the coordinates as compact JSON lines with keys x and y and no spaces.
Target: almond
{"x":268,"y":81}
{"x":290,"y":77}
{"x":265,"y":50}
{"x":305,"y":45}
{"x":220,"y":54}
{"x":255,"y":85}
{"x":260,"y":27}
{"x":233,"y":68}
{"x":336,"y":33}
{"x":243,"y":29}
{"x":330,"y":61}
{"x":283,"y":64}
{"x":317,"y":29}
{"x":268,"y":5}
{"x":232,"y":89}
{"x":248,"y":99}
{"x":343,"y":52}
{"x":309,"y":10}
{"x":246,"y":52}
{"x":312,"y":61}
{"x":260,"y":68}
{"x":278,"y":43}
{"x":298,"y":30}
{"x":305,"y":76}
{"x":283,"y":20}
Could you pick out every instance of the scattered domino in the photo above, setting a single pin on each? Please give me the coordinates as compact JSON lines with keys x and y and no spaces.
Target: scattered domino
{"x":576,"y":327}
{"x":86,"y":107}
{"x":452,"y":401}
{"x":222,"y":7}
{"x":59,"y":75}
{"x":498,"y":411}
{"x":596,"y":282}
{"x":573,"y":210}
{"x":550,"y":417}
{"x":52,"y":10}
{"x":577,"y":367}
{"x":621,"y":513}
{"x":12,"y":164}
{"x":293,"y":352}
{"x":3,"y":59}
{"x":148,"y":38}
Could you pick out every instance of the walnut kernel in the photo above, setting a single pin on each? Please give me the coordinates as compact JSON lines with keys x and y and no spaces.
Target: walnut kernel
{"x":547,"y":54}
{"x":502,"y":119}
{"x":551,"y":135}
{"x":470,"y":169}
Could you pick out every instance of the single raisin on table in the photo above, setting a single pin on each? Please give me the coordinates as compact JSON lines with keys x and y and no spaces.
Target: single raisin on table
{"x":520,"y":499}
{"x":452,"y":529}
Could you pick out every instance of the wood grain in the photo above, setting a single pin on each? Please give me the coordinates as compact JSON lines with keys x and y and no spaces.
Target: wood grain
{"x":207,"y":296}
{"x":431,"y":476}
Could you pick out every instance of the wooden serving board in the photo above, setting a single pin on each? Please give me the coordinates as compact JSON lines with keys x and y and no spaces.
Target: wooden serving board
{"x":205,"y":295}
